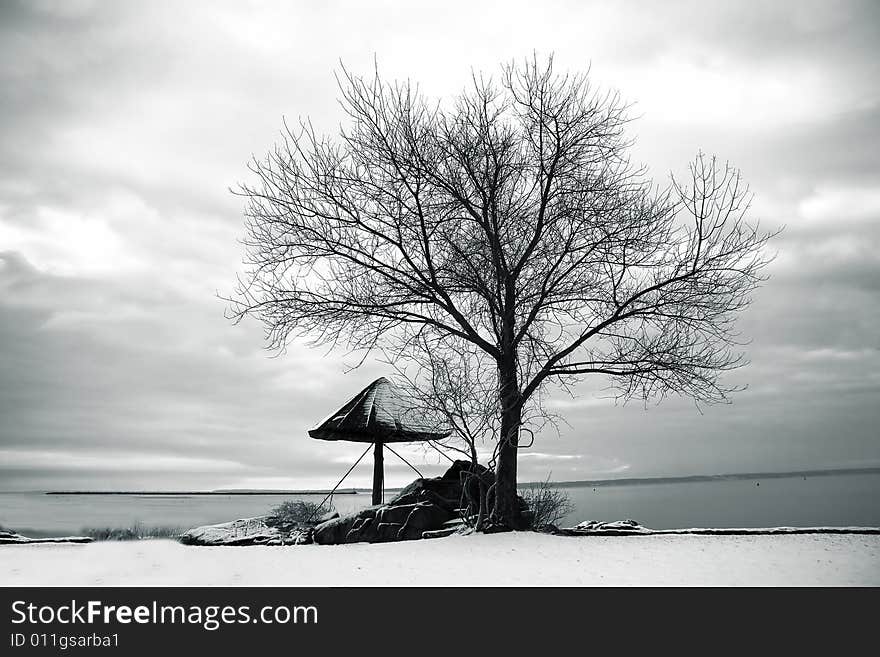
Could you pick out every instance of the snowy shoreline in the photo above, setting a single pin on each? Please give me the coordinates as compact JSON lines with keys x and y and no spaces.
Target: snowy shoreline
{"x":512,"y":559}
{"x":610,"y":529}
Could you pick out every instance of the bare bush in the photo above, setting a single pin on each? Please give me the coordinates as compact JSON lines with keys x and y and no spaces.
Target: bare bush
{"x":293,"y":514}
{"x":134,"y":532}
{"x":548,"y":505}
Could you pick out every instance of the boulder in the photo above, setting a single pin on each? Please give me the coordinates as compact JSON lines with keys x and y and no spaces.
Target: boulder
{"x":616,"y":526}
{"x":350,"y":528}
{"x":426,"y":516}
{"x":334,"y":531}
{"x":330,"y":515}
{"x":382,"y":523}
{"x":246,"y":531}
{"x":446,"y":494}
{"x":462,"y":469}
{"x":442,"y":533}
{"x":370,"y":511}
{"x":427,"y":505}
{"x":426,"y":508}
{"x":12,"y":538}
{"x":395,"y":513}
{"x":363,"y":531}
{"x":447,"y":491}
{"x":408,"y":533}
{"x":388,"y":531}
{"x":457,"y":522}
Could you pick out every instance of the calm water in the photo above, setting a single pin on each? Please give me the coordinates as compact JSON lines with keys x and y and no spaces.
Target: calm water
{"x":836,"y":500}
{"x":828,"y":500}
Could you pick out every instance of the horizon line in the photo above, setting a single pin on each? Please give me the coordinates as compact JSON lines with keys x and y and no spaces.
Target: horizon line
{"x":621,"y":481}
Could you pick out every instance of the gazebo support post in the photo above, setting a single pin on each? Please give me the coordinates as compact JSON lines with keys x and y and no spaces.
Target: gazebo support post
{"x":378,"y":472}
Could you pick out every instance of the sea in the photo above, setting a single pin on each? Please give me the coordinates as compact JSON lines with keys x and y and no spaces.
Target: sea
{"x":796,"y":500}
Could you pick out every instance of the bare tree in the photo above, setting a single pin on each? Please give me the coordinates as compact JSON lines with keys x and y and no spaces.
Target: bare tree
{"x":511,"y":224}
{"x":450,"y":382}
{"x":454,"y":383}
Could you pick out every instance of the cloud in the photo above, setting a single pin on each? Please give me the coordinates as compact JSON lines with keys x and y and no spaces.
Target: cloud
{"x":126,"y":123}
{"x":841,"y":204}
{"x":541,"y":456}
{"x":93,"y":367}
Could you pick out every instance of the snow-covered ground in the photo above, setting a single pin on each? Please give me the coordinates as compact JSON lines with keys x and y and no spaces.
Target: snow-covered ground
{"x":500,"y":559}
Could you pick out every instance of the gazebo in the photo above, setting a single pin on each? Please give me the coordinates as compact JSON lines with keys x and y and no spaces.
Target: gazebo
{"x":379,"y":414}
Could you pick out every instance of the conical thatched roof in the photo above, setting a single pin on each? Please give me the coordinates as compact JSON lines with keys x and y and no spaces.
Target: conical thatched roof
{"x":379,"y":412}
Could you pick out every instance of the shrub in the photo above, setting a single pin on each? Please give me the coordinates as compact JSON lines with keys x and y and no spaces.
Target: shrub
{"x":290,"y":515}
{"x":133,"y":533}
{"x":548,"y":505}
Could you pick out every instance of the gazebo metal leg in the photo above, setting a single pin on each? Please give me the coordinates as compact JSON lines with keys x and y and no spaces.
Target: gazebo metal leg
{"x":378,"y":472}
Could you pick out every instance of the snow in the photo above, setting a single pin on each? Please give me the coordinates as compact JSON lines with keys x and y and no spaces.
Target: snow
{"x":595,"y":527}
{"x":516,"y":559}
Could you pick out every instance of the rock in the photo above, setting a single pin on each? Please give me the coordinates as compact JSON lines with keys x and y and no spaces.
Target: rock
{"x":398,"y":513}
{"x":330,"y":515}
{"x":12,"y":538}
{"x":420,"y":518}
{"x":446,"y":494}
{"x":597,"y":527}
{"x":456,"y":522}
{"x":333,"y":532}
{"x":460,"y":470}
{"x":301,"y":536}
{"x":246,"y":531}
{"x":472,"y":478}
{"x":426,"y":516}
{"x":442,"y":533}
{"x":384,"y":523}
{"x":255,"y":539}
{"x":421,"y":513}
{"x":458,"y":484}
{"x":408,"y":533}
{"x":363,"y":531}
{"x":388,"y":531}
{"x":370,"y":511}
{"x":424,"y":507}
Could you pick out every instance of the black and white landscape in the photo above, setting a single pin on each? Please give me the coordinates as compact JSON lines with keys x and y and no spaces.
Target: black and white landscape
{"x":613,"y":261}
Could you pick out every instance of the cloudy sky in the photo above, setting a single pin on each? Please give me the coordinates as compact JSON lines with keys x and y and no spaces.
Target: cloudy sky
{"x":123,"y":125}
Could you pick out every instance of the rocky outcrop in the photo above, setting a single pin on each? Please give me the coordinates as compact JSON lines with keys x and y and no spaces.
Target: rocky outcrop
{"x":330,"y":515}
{"x":613,"y":528}
{"x":335,"y":530}
{"x":459,"y":483}
{"x":426,"y":508}
{"x":247,"y":531}
{"x":11,"y":538}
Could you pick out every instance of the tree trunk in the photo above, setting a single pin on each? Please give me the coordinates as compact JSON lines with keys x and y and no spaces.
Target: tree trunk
{"x":505,"y":510}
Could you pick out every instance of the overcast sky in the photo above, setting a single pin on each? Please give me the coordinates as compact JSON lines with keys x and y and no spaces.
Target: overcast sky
{"x":123,"y":126}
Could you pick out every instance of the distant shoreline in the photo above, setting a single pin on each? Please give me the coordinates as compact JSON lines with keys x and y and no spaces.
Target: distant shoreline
{"x":635,"y":481}
{"x":347,"y":491}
